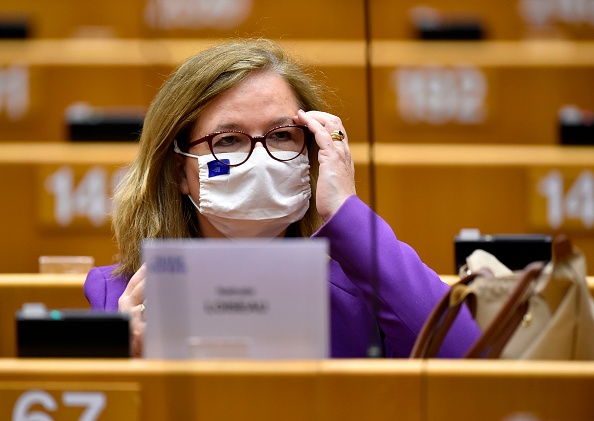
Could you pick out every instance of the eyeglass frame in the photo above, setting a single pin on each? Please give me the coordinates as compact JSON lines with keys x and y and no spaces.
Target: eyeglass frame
{"x":254,"y":139}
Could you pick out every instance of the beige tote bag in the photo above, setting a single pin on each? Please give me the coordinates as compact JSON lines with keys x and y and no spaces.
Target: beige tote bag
{"x":544,"y":312}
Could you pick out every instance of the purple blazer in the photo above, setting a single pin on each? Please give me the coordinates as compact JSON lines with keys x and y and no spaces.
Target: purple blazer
{"x":390,"y":313}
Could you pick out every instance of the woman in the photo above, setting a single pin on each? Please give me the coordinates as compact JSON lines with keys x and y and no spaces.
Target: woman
{"x":233,"y":145}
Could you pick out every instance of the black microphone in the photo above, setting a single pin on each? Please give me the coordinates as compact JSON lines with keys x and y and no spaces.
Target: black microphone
{"x":375,"y":348}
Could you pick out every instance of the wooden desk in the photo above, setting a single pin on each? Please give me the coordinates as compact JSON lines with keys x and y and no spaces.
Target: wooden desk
{"x":411,"y":390}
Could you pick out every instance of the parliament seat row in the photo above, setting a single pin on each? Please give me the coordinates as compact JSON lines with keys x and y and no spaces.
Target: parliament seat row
{"x":492,"y":92}
{"x":426,"y":192}
{"x":405,"y":19}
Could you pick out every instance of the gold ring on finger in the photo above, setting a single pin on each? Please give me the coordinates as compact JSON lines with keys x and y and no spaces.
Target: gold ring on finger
{"x":337,"y":135}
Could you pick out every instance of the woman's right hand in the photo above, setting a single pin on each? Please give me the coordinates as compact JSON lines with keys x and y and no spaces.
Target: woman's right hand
{"x":336,"y":180}
{"x":132,"y":302}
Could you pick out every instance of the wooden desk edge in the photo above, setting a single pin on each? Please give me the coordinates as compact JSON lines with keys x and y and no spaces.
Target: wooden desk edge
{"x":223,"y":367}
{"x":320,"y":52}
{"x":288,"y":367}
{"x":68,"y":279}
{"x":385,"y":154}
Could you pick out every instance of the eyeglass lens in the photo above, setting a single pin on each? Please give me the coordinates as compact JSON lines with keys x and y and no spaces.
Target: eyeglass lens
{"x":284,"y":143}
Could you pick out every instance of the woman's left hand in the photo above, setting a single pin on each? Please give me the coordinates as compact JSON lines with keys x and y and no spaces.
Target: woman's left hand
{"x":132,"y":302}
{"x":336,"y":180}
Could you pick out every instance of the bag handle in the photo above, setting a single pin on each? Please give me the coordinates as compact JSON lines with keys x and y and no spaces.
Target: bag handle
{"x":441,"y":318}
{"x":497,"y":333}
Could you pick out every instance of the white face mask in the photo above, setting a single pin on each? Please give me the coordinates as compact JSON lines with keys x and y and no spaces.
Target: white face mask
{"x":259,"y":198}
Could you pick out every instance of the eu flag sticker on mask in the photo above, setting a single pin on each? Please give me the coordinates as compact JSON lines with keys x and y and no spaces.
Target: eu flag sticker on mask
{"x":217,"y":168}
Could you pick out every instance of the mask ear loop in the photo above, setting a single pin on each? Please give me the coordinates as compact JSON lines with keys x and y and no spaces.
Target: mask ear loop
{"x":193,"y":203}
{"x":176,"y":149}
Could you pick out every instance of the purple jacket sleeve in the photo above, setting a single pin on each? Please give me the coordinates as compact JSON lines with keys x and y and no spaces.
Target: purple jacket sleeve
{"x":398,"y":287}
{"x":102,"y":289}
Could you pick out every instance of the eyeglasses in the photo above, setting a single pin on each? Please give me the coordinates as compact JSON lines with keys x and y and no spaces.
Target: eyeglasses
{"x":233,"y":148}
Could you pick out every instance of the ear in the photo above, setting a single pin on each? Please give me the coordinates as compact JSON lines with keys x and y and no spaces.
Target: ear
{"x":180,"y":163}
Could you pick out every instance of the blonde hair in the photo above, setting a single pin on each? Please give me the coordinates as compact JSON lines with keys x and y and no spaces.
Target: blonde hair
{"x":148,"y":203}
